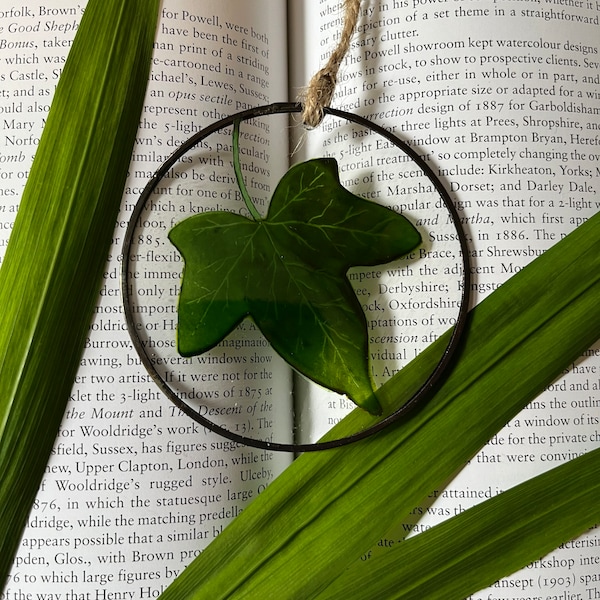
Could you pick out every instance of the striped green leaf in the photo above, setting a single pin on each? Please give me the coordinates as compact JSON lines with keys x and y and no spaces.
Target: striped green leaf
{"x":329,"y":508}
{"x":51,"y":273}
{"x":483,"y":544}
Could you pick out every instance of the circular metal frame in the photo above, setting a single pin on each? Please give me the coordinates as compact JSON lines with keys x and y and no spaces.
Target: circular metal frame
{"x":426,"y":388}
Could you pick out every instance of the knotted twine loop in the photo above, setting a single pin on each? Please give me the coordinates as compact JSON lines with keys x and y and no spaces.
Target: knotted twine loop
{"x":321,"y":87}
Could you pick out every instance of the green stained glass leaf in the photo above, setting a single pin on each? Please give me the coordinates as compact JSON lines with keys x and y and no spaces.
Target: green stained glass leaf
{"x":288,"y":273}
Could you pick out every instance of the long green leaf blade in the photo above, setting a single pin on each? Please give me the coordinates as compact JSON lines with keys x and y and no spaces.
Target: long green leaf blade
{"x":53,"y":265}
{"x":308,"y":526}
{"x":484,"y":543}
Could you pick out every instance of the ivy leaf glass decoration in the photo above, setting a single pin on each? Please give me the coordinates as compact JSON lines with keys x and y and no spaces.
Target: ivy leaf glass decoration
{"x":287,"y":272}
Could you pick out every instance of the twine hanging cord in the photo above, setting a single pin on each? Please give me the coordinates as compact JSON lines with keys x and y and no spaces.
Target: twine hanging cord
{"x":321,"y":87}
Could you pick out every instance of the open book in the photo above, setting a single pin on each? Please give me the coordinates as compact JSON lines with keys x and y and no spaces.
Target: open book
{"x":501,"y":99}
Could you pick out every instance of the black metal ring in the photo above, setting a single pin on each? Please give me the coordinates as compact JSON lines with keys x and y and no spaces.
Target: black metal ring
{"x":420,"y":395}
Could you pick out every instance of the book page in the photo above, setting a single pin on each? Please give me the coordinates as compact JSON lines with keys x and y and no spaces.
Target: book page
{"x":501,"y":99}
{"x":134,"y":490}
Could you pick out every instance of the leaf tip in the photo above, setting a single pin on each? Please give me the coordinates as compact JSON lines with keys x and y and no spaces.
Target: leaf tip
{"x":370,"y":403}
